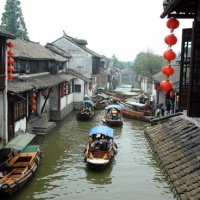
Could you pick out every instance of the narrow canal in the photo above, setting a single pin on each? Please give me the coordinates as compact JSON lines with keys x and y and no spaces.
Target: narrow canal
{"x":62,"y":173}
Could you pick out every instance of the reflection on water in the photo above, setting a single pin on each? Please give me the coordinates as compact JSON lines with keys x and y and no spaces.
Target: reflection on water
{"x":62,"y":174}
{"x":102,"y":177}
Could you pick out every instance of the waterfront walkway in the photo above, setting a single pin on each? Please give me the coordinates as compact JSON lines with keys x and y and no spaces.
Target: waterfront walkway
{"x":175,"y":143}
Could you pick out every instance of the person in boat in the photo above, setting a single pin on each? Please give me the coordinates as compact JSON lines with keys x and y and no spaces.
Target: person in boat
{"x":100,"y":143}
{"x":110,"y":101}
{"x":115,"y":116}
{"x":87,"y":105}
{"x":142,"y":99}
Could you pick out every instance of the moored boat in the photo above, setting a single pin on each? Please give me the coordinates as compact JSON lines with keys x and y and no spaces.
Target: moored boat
{"x":86,"y":110}
{"x":21,"y":166}
{"x":138,"y":111}
{"x":113,"y":115}
{"x":101,"y":101}
{"x":101,"y":148}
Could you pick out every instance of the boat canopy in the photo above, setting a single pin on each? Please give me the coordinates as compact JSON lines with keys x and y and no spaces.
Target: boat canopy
{"x":113,"y":106}
{"x":90,"y":102}
{"x":105,"y":130}
{"x":135,"y":104}
{"x":20,"y":141}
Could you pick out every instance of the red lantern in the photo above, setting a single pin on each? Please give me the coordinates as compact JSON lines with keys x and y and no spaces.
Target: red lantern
{"x":33,"y":96}
{"x":168,"y":70}
{"x":10,"y":76}
{"x":64,"y":88}
{"x":172,"y":23}
{"x":10,"y":68}
{"x":33,"y":102}
{"x":10,"y":60}
{"x":171,"y":39}
{"x":10,"y":52}
{"x":169,"y":55}
{"x":172,"y":94}
{"x":33,"y":107}
{"x":155,"y":86}
{"x":10,"y":44}
{"x":166,"y":85}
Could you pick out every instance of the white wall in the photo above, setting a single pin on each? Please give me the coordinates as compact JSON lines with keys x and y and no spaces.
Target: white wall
{"x":81,"y":60}
{"x":20,"y":125}
{"x":78,"y":97}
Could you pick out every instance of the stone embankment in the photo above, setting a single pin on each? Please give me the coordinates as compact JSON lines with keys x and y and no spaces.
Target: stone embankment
{"x":175,"y":144}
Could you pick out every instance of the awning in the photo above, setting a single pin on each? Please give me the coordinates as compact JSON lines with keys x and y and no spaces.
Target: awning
{"x":102,"y":130}
{"x":20,"y":141}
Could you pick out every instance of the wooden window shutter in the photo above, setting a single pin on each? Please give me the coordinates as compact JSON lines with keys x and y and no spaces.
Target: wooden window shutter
{"x":194,"y":84}
{"x":185,"y":68}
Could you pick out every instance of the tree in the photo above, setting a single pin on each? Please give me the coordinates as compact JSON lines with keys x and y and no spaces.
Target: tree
{"x":148,"y":64}
{"x":12,"y":19}
{"x":121,"y":64}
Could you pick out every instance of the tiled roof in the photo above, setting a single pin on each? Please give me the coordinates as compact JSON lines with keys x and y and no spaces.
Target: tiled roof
{"x":24,"y":84}
{"x":33,"y":51}
{"x":82,"y":44}
{"x":80,"y":76}
{"x":57,"y":50}
{"x":173,"y":78}
{"x":6,"y":34}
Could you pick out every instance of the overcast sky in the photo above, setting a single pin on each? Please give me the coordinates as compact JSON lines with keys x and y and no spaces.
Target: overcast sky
{"x":120,"y":27}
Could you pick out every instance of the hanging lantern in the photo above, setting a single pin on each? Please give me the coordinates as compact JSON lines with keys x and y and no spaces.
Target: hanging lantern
{"x":33,"y":95}
{"x":63,"y":88}
{"x":169,"y":55}
{"x":155,"y":86}
{"x":10,"y":52}
{"x":33,"y":102}
{"x":10,"y":68}
{"x":166,"y":85}
{"x":10,"y":44}
{"x":172,"y":23}
{"x":172,"y":94}
{"x":171,"y":39}
{"x":10,"y":60}
{"x":33,"y":107}
{"x":10,"y":76}
{"x":168,"y":70}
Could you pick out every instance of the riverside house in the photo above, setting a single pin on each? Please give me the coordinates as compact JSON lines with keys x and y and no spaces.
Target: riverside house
{"x":83,"y":61}
{"x":41,"y":88}
{"x":4,"y":36}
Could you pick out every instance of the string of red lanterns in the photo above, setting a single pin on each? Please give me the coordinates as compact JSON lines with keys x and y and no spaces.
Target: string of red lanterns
{"x":33,"y":101}
{"x":169,"y":55}
{"x":63,"y":89}
{"x":10,"y":53}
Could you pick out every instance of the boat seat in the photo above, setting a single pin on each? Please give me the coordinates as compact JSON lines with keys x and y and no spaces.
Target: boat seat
{"x":20,"y":164}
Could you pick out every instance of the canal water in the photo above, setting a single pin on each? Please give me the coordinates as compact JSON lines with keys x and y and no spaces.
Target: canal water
{"x":62,"y":173}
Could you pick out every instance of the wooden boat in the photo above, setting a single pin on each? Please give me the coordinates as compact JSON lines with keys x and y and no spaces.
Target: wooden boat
{"x":101,"y":104}
{"x":86,"y":110}
{"x":101,"y":148}
{"x":136,"y":111}
{"x":21,"y":166}
{"x":101,"y":101}
{"x":113,"y":115}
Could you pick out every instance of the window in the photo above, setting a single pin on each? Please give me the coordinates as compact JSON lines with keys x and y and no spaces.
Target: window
{"x":20,"y":110}
{"x":77,"y":88}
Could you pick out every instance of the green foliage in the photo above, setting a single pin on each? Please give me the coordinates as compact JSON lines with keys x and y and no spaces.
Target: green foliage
{"x":148,"y":64}
{"x":12,"y":19}
{"x":121,"y":64}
